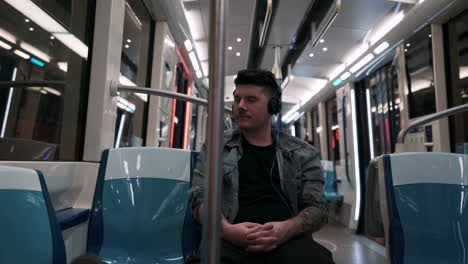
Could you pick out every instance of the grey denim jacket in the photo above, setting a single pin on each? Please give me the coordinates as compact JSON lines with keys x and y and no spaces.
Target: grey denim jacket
{"x":299,"y":168}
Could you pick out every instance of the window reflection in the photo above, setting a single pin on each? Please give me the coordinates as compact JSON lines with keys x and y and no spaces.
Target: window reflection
{"x":457,"y":53}
{"x":37,"y":47}
{"x":132,"y":109}
{"x":420,"y":73}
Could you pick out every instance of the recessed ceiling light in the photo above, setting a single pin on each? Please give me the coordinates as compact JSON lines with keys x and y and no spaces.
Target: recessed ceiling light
{"x":229,"y":47}
{"x":237,"y":54}
{"x":26,"y":20}
{"x":239,"y":39}
{"x":430,"y":35}
{"x":127,"y":46}
{"x":325,"y":49}
{"x":129,"y":40}
{"x":31,"y":29}
{"x":311,"y":55}
{"x":406,"y":50}
{"x":52,"y":37}
{"x":322,"y":40}
{"x":408,"y":45}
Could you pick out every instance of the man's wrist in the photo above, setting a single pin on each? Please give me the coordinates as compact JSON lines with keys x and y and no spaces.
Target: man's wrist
{"x":294,"y":226}
{"x":225,"y":226}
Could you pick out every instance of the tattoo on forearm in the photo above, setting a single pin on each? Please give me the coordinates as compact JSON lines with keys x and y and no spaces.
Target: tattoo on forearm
{"x":313,"y":219}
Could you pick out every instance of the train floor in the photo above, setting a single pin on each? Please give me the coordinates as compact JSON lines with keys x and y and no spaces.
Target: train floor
{"x":349,"y":248}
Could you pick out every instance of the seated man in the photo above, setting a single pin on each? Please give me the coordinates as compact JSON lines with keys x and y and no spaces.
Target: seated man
{"x":272,"y":184}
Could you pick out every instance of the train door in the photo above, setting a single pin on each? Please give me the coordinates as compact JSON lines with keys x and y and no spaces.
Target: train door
{"x":456,"y":35}
{"x":377,"y":126}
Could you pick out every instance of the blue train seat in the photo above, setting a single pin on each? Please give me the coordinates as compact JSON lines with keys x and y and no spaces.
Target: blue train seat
{"x":29,"y":232}
{"x":140,"y":205}
{"x":426,"y":198}
{"x":330,"y":188}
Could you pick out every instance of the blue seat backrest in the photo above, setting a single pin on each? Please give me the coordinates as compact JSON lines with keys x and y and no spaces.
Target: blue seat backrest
{"x":139,"y":205}
{"x":427,"y":204}
{"x":330,"y":188}
{"x":29,"y":232}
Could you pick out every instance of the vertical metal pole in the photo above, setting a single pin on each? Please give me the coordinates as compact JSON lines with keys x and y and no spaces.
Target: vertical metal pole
{"x":212,"y":223}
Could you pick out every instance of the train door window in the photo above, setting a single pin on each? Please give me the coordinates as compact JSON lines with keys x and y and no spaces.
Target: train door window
{"x":384,"y":107}
{"x":312,"y":134}
{"x":420,"y":74}
{"x":332,"y":130}
{"x":394,"y":105}
{"x":192,"y":143}
{"x":181,"y":110}
{"x":132,"y":109}
{"x":457,"y":54}
{"x":316,"y":129}
{"x":43,"y":108}
{"x":376,"y":110}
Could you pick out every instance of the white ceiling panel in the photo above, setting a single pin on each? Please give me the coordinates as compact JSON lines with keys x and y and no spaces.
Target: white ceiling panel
{"x":285,"y":24}
{"x":362,"y":14}
{"x":287,"y":19}
{"x":238,"y":23}
{"x":349,"y":29}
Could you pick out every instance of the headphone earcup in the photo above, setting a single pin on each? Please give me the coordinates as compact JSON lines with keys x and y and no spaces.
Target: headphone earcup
{"x":274,"y":106}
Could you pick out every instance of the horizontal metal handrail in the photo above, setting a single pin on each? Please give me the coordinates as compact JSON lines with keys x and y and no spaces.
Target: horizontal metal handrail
{"x":24,"y":84}
{"x":170,"y":94}
{"x":430,"y":118}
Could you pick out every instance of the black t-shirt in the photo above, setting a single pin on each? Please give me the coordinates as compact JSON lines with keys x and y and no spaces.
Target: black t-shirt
{"x":259,"y":193}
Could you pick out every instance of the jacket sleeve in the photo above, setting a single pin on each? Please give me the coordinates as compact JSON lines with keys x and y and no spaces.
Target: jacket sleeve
{"x":312,"y":202}
{"x":196,"y":192}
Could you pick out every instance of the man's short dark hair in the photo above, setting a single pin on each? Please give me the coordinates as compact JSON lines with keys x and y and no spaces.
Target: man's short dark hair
{"x":260,"y":78}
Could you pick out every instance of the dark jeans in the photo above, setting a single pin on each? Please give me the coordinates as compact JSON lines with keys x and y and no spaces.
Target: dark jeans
{"x":302,"y":249}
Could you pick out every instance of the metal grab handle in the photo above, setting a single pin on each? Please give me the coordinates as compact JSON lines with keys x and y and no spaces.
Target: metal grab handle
{"x":430,"y":118}
{"x":170,"y":94}
{"x":24,"y":84}
{"x":266,"y":23}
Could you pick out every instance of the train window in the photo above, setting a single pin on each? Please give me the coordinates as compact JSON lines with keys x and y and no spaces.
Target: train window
{"x":313,"y":136}
{"x":457,"y":54}
{"x":420,"y":74}
{"x":332,"y":130}
{"x":179,"y":133}
{"x":132,"y":109}
{"x":43,"y":108}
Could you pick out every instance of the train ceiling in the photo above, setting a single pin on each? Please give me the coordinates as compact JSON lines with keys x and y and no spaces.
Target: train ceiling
{"x":357,"y":21}
{"x":350,"y":27}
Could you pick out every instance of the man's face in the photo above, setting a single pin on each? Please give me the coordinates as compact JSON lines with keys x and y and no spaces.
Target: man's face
{"x":250,"y":107}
